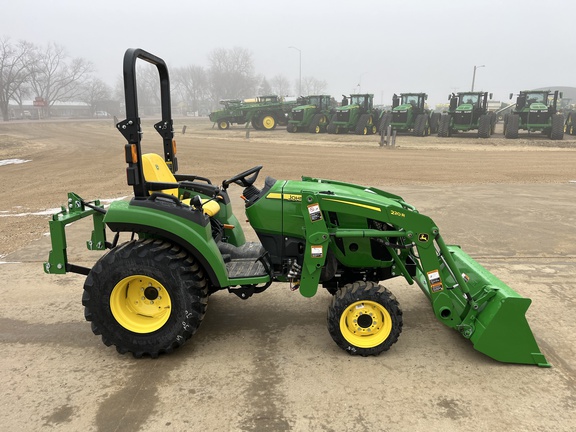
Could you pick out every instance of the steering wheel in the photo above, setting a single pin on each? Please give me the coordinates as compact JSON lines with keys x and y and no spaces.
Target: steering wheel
{"x":243,"y":178}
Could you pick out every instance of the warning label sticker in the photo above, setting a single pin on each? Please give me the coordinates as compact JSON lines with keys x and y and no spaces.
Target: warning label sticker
{"x":316,"y":251}
{"x":435,"y":281}
{"x":315,"y":213}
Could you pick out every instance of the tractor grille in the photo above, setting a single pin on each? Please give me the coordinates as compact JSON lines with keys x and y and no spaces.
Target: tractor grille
{"x":462,"y":118}
{"x":400,"y":117}
{"x":343,"y":116}
{"x":537,"y":117}
{"x":298,"y":115}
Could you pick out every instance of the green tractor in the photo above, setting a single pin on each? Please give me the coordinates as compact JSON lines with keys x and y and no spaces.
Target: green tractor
{"x":468,"y":111}
{"x":570,"y":125}
{"x":535,"y":111}
{"x":410,"y":114}
{"x":311,"y":115}
{"x":262,"y":112}
{"x":356,"y":114}
{"x":147,"y":295}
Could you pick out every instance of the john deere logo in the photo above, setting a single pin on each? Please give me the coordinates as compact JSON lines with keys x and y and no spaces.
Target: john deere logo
{"x":423,"y":237}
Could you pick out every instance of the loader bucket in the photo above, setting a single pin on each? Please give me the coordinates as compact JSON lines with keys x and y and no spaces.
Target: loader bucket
{"x":501,"y":330}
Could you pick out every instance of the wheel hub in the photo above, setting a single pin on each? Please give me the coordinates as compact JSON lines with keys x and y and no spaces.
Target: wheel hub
{"x":365,"y":324}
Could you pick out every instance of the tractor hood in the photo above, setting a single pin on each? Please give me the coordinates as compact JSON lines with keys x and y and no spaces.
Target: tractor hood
{"x":347,"y":107}
{"x":465,"y":107}
{"x":538,"y":106}
{"x":303,"y":108}
{"x":403,"y":107}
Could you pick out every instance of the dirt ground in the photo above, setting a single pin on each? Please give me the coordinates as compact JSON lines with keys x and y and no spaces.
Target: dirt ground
{"x":268,"y":363}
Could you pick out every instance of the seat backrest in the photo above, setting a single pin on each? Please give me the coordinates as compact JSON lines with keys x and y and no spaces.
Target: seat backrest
{"x":156,"y":170}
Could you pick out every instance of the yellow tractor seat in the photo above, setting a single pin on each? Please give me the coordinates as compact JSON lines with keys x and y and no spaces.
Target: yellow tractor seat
{"x":156,"y":170}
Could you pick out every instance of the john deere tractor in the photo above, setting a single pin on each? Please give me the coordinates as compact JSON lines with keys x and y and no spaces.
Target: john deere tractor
{"x":468,"y":111}
{"x":262,"y":112}
{"x":410,"y":114}
{"x":535,"y":111}
{"x":147,"y":294}
{"x":356,"y":114}
{"x":311,"y":115}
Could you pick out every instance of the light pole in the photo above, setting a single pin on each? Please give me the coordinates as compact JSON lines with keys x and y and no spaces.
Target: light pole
{"x":360,"y":82}
{"x":300,"y":68}
{"x":474,"y":75}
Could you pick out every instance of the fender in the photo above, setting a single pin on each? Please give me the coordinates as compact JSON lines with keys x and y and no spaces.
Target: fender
{"x":177,"y":223}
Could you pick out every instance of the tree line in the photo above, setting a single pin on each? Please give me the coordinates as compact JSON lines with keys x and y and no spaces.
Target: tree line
{"x":48,"y":74}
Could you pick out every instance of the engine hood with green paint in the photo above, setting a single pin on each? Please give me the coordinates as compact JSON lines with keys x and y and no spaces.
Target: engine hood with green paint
{"x":403,"y":107}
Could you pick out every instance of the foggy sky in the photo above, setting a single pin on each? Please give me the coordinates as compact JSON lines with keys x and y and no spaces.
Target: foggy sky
{"x":402,"y":46}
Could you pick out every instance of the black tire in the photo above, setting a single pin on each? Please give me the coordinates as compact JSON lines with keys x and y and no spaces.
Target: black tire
{"x":362,"y":127}
{"x":512,"y":125}
{"x":332,"y":128}
{"x":384,"y":123}
{"x":291,"y":127}
{"x":434,"y":122}
{"x":364,"y":318}
{"x":444,"y":127}
{"x":317,"y":123}
{"x":484,"y":126}
{"x":421,"y":127}
{"x":223,"y":124}
{"x":493,"y":121}
{"x":256,"y":123}
{"x":557,"y":131}
{"x":146,"y":297}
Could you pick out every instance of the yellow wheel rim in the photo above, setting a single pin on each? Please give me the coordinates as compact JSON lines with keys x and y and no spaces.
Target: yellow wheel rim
{"x":365,"y":324}
{"x":140,"y":304}
{"x":223,"y":125}
{"x":317,"y":129}
{"x":268,"y":122}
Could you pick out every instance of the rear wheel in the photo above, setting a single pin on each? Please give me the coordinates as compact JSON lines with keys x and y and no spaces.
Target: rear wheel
{"x":318,"y":123}
{"x":484,"y":126}
{"x":363,"y":125}
{"x":146,"y":297}
{"x":444,"y":126}
{"x":421,"y":127}
{"x":364,"y":318}
{"x":557,"y":131}
{"x":268,"y":122}
{"x":256,"y":123}
{"x":512,"y":126}
{"x":434,"y":122}
{"x":332,"y":128}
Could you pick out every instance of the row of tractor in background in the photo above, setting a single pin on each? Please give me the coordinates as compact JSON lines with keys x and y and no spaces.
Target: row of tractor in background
{"x":534,"y":111}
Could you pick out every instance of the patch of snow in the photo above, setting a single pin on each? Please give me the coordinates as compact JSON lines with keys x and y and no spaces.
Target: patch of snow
{"x":12,"y":161}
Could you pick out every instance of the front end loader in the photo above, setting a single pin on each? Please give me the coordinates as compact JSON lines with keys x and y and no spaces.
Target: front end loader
{"x":148,"y":295}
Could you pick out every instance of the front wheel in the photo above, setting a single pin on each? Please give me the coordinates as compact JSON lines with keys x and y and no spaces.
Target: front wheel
{"x":146,"y":297}
{"x":364,"y":318}
{"x":223,"y":124}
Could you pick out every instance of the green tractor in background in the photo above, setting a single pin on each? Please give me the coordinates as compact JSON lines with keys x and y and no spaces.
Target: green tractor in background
{"x":535,"y":111}
{"x":311,"y":115}
{"x":262,"y":112}
{"x":468,"y":111}
{"x":181,"y":243}
{"x":570,"y":125}
{"x":356,"y":114}
{"x":410,"y":114}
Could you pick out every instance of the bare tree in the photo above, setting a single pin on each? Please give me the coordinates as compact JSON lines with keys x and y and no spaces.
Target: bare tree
{"x":191,"y":83}
{"x":55,"y":77}
{"x":264,"y":88}
{"x":280,"y":85}
{"x":95,"y":92}
{"x":313,"y":86}
{"x":231,"y":73}
{"x":14,"y":72}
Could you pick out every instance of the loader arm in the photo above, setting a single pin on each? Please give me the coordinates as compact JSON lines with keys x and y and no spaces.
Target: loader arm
{"x":463,"y":294}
